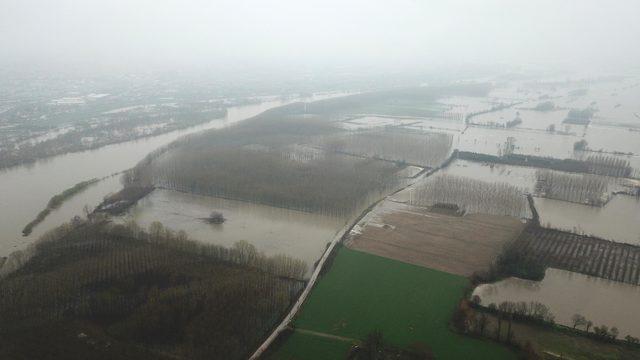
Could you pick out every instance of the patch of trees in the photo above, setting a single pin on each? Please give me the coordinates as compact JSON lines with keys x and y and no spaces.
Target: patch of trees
{"x":253,"y":161}
{"x":472,"y":196}
{"x":145,"y":289}
{"x":594,"y":164}
{"x":55,"y":202}
{"x":580,"y":116}
{"x":580,"y":145}
{"x":513,"y":123}
{"x":117,"y":203}
{"x":545,"y":106}
{"x":584,"y":188}
{"x":494,"y":108}
{"x":514,"y":261}
{"x":429,"y":149}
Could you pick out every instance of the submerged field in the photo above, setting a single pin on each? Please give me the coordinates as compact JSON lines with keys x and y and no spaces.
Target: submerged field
{"x":408,"y":303}
{"x":618,"y":220}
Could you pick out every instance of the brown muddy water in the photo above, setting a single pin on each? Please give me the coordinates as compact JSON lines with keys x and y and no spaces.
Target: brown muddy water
{"x":604,"y":302}
{"x":271,"y":230}
{"x":618,"y":220}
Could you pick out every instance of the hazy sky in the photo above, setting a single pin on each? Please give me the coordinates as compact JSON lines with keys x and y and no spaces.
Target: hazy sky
{"x":172,"y":33}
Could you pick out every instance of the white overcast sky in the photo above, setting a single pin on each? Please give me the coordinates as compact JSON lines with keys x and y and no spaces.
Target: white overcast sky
{"x":172,"y":33}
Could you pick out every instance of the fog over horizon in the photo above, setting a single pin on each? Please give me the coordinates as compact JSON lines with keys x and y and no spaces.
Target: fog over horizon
{"x":176,"y":35}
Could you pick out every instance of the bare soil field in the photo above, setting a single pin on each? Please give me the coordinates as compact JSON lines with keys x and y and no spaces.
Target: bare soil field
{"x":458,"y":245}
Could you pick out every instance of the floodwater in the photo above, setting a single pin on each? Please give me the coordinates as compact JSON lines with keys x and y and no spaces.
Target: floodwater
{"x":272,"y":230}
{"x":566,"y":293}
{"x":612,"y":139}
{"x":25,"y":190}
{"x":531,"y":119}
{"x":618,"y":220}
{"x":540,"y":143}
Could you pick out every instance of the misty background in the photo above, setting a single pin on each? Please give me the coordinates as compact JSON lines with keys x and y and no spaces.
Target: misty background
{"x":96,"y":35}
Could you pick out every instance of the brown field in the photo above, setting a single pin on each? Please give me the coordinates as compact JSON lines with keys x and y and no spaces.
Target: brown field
{"x":455,"y":244}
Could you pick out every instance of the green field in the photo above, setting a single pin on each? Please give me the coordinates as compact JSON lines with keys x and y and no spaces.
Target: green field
{"x":310,"y":347}
{"x":409,"y":304}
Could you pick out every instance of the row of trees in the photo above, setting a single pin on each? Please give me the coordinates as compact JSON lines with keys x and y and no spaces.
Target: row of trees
{"x":429,"y":149}
{"x":534,"y":312}
{"x":602,"y":331}
{"x":608,"y":165}
{"x":55,"y":202}
{"x":472,"y":196}
{"x":593,"y":164}
{"x":582,"y":188}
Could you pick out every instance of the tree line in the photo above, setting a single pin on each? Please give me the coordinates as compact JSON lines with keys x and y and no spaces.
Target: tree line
{"x":55,"y":202}
{"x":429,"y":149}
{"x":471,"y":196}
{"x":593,"y":164}
{"x":583,"y":188}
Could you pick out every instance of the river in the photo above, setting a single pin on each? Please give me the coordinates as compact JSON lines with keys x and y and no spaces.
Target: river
{"x":25,"y":190}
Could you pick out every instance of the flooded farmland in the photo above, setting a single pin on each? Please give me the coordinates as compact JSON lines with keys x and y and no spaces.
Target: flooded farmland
{"x":604,"y":302}
{"x":272,"y":230}
{"x":618,"y":220}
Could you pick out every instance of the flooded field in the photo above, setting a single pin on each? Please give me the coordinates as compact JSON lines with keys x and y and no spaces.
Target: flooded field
{"x":613,"y":139}
{"x":604,"y":302}
{"x":618,"y":220}
{"x":540,"y":143}
{"x":466,"y":104}
{"x":272,"y":230}
{"x":616,"y":102}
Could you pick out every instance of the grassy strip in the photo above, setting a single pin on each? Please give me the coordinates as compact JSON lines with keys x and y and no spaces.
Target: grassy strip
{"x":56,"y":201}
{"x":409,"y":304}
{"x":302,"y":346}
{"x":561,"y":340}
